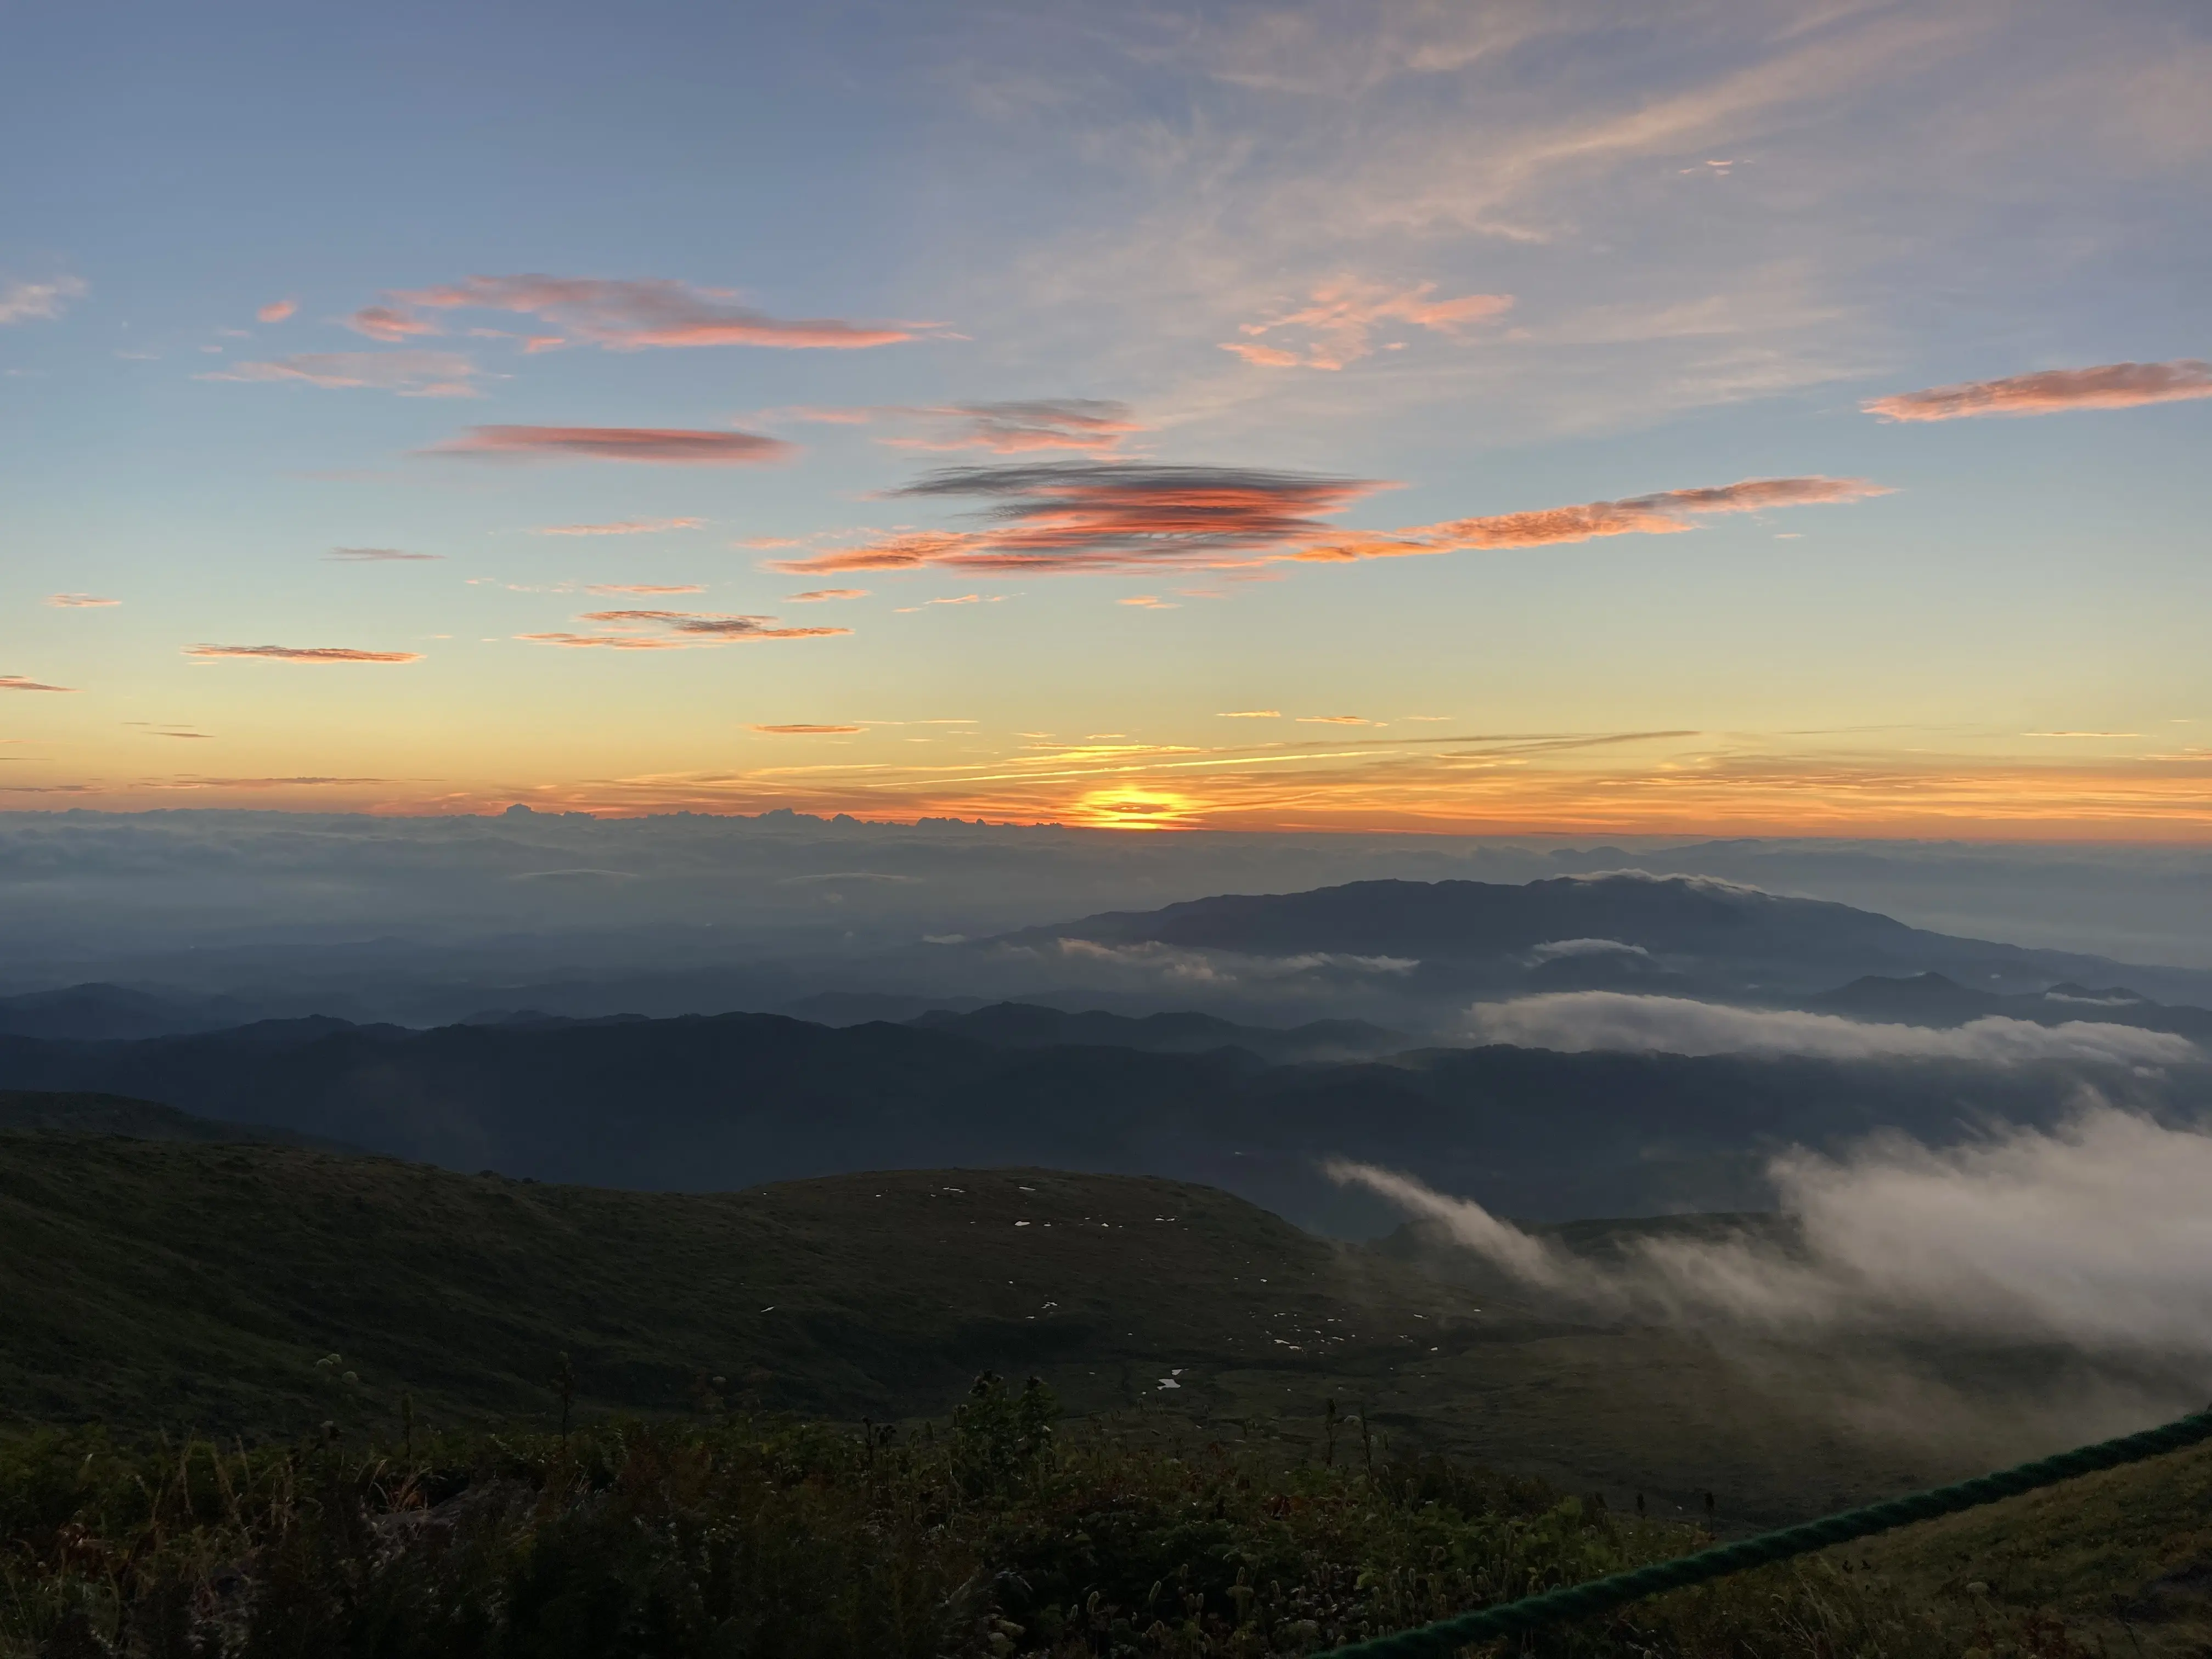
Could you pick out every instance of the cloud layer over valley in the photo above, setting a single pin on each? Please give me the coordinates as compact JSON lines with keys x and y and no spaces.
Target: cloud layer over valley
{"x":1573,"y":1021}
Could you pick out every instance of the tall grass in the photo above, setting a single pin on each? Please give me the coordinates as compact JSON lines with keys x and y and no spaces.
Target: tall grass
{"x":989,"y":1536}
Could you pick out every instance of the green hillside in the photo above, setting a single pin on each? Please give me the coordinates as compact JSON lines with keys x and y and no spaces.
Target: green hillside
{"x":182,"y":1285}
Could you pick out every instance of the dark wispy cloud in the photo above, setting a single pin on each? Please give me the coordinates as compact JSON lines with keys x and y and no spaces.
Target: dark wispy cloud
{"x":805,"y":731}
{"x":623,"y":315}
{"x":1057,"y":517}
{"x":18,"y":683}
{"x":79,"y":602}
{"x":1105,"y":518}
{"x":378,"y":556}
{"x":409,"y":373}
{"x":665,"y":445}
{"x":675,"y":630}
{"x":304,"y":654}
{"x":2107,"y":385}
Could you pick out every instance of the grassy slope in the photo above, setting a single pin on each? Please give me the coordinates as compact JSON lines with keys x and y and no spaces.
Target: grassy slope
{"x":2125,"y":1556}
{"x":179,"y":1284}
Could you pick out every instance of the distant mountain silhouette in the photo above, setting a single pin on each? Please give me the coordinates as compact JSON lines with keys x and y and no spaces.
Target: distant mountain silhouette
{"x":100,"y":1013}
{"x":1682,"y":935}
{"x":1026,"y":1025}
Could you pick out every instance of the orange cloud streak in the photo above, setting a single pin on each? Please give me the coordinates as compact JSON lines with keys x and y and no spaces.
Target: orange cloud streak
{"x":2108,"y":386}
{"x":305,"y":654}
{"x":626,"y":315}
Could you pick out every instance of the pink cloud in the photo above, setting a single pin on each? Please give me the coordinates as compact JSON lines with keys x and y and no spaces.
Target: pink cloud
{"x":23,"y":301}
{"x":623,"y":527}
{"x":2108,"y":386}
{"x":641,"y":587}
{"x":675,"y":630}
{"x":384,"y":323}
{"x":769,"y":542}
{"x":1339,"y":325}
{"x":79,"y":601}
{"x":1121,"y":517}
{"x":409,"y":373}
{"x":665,"y":445}
{"x":814,"y":596}
{"x":17,"y":683}
{"x":1096,"y":425}
{"x":378,"y":555}
{"x":278,"y":310}
{"x":629,"y":315}
{"x":304,"y":654}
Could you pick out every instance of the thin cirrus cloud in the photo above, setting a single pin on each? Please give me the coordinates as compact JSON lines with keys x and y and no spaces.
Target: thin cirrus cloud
{"x":620,"y":528}
{"x":18,"y":682}
{"x":277,"y":311}
{"x":24,"y":302}
{"x":406,"y":373}
{"x":79,"y":601}
{"x":661,"y":445}
{"x":2053,"y":391}
{"x":644,"y":587}
{"x":817,"y":595}
{"x":1338,"y":325}
{"x":623,"y":315}
{"x":674,"y":630}
{"x":378,"y":555}
{"x":806,"y":731}
{"x":299,"y":654}
{"x":1112,"y":518}
{"x":1249,"y":714}
{"x":1094,"y":426}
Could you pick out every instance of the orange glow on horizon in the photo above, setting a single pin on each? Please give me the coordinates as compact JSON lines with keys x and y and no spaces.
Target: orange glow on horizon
{"x":1689,"y":787}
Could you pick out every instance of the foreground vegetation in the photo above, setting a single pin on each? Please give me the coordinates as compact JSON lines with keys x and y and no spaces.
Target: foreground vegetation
{"x":987,"y":1536}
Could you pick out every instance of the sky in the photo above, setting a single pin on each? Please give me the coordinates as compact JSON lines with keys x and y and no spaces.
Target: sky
{"x":1749,"y":417}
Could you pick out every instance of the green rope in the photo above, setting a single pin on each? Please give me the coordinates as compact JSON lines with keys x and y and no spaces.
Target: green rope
{"x":1603,"y":1595}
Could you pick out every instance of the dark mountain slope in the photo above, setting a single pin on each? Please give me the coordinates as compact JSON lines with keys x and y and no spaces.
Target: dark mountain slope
{"x":1027,"y":1025}
{"x":25,"y":1113}
{"x":186,"y":1286}
{"x":695,"y":1104}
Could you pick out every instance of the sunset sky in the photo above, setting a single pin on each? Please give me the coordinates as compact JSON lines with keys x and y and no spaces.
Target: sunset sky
{"x":1767,"y":417}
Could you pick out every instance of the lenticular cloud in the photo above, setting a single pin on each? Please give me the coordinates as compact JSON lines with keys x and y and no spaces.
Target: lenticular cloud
{"x":1573,"y":1021}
